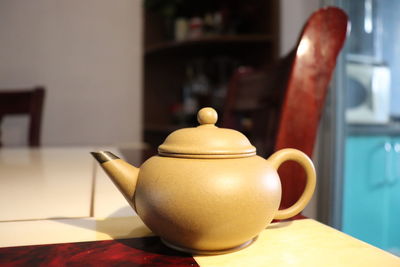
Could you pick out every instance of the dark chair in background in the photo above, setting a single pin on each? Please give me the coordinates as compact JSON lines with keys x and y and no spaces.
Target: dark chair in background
{"x":26,"y":102}
{"x":253,"y":102}
{"x":287,"y":100}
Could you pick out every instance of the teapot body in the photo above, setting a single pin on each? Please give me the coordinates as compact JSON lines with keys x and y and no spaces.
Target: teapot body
{"x":207,"y":205}
{"x":207,"y":192}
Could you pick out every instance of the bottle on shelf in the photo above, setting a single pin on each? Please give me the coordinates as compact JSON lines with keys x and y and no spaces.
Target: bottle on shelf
{"x":190,"y":105}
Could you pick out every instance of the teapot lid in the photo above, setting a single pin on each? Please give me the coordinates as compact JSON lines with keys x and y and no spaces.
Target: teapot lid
{"x":206,"y":140}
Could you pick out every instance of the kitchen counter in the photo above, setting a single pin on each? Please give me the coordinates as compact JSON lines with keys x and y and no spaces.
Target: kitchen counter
{"x":391,"y":129}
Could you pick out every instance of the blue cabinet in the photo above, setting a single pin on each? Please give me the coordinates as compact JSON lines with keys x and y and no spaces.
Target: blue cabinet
{"x":393,"y":241}
{"x":371,"y":193}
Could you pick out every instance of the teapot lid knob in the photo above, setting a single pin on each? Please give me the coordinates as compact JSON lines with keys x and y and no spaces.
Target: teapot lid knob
{"x":207,"y":116}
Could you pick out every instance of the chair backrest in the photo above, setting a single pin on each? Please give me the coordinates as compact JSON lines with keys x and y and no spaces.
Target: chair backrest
{"x":28,"y":102}
{"x":321,"y":40}
{"x":287,"y":99}
{"x":253,"y":102}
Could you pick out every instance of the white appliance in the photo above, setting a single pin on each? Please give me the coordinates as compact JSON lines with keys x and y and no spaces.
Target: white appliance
{"x":368,"y":96}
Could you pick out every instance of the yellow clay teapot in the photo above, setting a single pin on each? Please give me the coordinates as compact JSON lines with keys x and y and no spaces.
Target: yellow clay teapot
{"x":207,"y":192}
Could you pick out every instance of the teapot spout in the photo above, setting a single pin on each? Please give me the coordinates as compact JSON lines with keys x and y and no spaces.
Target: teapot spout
{"x":123,"y":175}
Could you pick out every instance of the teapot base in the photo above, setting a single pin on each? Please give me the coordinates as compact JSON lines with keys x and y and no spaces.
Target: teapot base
{"x":209,"y":252}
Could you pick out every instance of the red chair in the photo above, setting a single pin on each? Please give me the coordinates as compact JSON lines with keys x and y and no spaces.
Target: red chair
{"x":26,"y":102}
{"x":288,"y":107}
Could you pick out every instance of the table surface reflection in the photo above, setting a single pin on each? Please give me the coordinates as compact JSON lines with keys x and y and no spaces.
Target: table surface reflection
{"x":60,"y":195}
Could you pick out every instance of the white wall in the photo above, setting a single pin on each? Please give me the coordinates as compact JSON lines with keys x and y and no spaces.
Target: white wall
{"x":88,"y":55}
{"x":294,"y":14}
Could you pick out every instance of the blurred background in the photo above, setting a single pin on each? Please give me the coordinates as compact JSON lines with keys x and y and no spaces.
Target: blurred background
{"x":128,"y":72}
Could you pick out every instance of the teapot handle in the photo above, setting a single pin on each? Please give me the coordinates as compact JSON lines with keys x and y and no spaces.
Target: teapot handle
{"x":286,"y":154}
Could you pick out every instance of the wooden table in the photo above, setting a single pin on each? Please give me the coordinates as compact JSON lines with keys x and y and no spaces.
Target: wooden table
{"x":58,"y":208}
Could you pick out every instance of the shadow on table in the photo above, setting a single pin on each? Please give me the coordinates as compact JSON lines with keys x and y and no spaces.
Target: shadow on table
{"x":131,"y":232}
{"x":127,"y":231}
{"x":279,"y":225}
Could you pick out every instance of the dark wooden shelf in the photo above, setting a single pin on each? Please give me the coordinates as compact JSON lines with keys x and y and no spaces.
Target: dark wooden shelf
{"x":155,"y":134}
{"x":167,"y":63}
{"x":163,"y":128}
{"x":209,"y":40}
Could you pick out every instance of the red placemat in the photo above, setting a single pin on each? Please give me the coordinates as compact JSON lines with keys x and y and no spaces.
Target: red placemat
{"x":145,"y":251}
